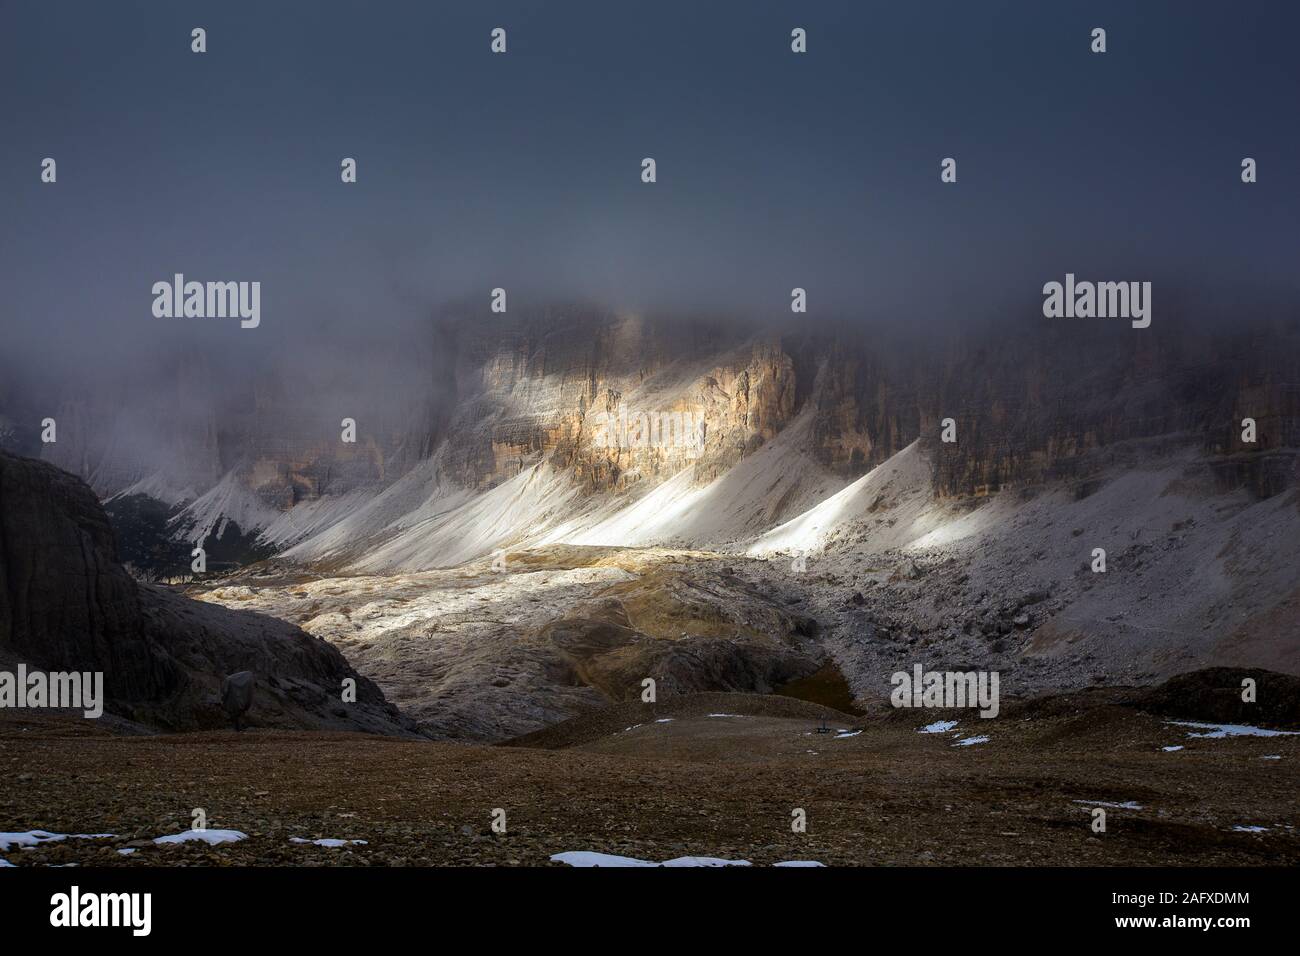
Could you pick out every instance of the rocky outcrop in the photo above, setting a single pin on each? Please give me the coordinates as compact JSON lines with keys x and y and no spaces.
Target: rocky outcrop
{"x":66,"y":604}
{"x":550,"y":386}
{"x":1215,"y":694}
{"x":1062,"y":406}
{"x":690,"y":632}
{"x":474,"y":653}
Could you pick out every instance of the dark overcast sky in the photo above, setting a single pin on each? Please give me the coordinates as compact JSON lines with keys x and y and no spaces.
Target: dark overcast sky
{"x":522,"y":170}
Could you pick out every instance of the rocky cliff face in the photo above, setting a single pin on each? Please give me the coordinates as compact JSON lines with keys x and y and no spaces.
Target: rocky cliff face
{"x":1028,"y":408}
{"x":614,"y":398}
{"x":66,"y":604}
{"x":621,"y":403}
{"x":1058,"y":407}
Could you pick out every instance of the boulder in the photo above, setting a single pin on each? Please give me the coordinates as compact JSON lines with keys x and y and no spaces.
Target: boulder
{"x":237,"y":695}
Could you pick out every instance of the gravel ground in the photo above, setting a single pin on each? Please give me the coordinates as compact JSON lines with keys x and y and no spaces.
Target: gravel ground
{"x":682,"y":783}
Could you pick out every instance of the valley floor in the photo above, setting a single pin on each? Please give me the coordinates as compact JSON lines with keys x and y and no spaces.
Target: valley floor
{"x":704,"y":775}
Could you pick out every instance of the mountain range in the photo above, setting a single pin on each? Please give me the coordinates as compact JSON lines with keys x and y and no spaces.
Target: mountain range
{"x":481,"y":531}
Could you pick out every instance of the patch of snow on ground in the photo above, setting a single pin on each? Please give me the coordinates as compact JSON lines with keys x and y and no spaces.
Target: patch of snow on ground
{"x":703,"y":861}
{"x":1173,"y":748}
{"x":588,"y":858}
{"x":846,"y":733}
{"x":982,"y":739}
{"x":1219,"y":731}
{"x":29,"y":838}
{"x":938,"y":727}
{"x":1127,"y":805}
{"x":33,"y":837}
{"x":210,"y":837}
{"x":328,"y":841}
{"x":1251,"y":829}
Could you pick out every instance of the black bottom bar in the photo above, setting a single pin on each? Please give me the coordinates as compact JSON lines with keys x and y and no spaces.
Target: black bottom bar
{"x":597,"y":908}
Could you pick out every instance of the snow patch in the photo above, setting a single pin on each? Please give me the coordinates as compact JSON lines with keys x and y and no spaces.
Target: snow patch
{"x":703,"y":861}
{"x":589,"y":858}
{"x":33,"y":837}
{"x":328,"y":841}
{"x":938,"y":727}
{"x":1219,"y":731}
{"x":210,"y":837}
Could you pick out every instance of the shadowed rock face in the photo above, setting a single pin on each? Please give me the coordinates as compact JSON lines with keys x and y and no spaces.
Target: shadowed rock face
{"x":1055,"y":408}
{"x":1215,"y":694}
{"x":67,"y":604}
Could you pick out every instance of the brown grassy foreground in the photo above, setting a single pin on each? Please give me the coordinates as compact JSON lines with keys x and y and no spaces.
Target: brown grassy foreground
{"x":690,"y":785}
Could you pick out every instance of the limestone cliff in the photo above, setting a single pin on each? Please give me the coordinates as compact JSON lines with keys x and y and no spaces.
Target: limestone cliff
{"x":690,"y":399}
